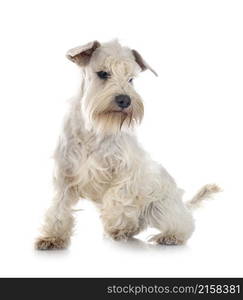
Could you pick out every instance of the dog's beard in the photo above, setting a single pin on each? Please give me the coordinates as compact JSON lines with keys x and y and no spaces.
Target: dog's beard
{"x":105,"y":117}
{"x":113,"y":121}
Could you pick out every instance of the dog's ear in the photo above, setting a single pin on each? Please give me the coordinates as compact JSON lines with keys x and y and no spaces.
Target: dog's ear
{"x":81,"y":55}
{"x":141,"y":62}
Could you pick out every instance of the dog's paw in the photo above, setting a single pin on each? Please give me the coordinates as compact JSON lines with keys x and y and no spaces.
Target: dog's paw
{"x":169,"y":240}
{"x":122,"y":234}
{"x":50,"y":243}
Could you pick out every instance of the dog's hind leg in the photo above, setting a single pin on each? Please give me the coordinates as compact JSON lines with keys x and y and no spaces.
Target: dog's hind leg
{"x":172,"y":218}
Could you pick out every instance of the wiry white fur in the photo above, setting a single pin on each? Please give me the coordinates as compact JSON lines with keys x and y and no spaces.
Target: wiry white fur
{"x":98,"y":158}
{"x":204,"y":193}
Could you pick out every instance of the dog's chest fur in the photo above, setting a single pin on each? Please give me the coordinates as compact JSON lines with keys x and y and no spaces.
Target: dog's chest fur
{"x":105,"y":162}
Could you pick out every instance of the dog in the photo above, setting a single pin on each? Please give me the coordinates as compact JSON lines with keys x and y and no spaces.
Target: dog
{"x":99,"y":158}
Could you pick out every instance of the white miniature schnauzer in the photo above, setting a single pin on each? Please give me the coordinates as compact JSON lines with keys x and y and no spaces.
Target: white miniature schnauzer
{"x":98,"y":157}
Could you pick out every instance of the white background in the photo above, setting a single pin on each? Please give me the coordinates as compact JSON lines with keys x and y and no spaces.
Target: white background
{"x":193,"y":126}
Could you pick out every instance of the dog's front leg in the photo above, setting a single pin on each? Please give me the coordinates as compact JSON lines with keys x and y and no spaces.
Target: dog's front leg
{"x":120,"y":214}
{"x":58,"y":224}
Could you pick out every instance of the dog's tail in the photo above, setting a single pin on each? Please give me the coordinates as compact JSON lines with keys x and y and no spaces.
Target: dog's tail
{"x":204,"y":193}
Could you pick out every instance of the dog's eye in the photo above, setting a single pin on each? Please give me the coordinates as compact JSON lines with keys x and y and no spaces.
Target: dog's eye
{"x":103,"y":75}
{"x":130,"y":80}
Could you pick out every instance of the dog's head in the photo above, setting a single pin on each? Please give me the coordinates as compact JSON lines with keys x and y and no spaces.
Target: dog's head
{"x":110,"y":103}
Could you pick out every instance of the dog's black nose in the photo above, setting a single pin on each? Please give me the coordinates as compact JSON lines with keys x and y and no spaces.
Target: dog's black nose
{"x":123,"y":101}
